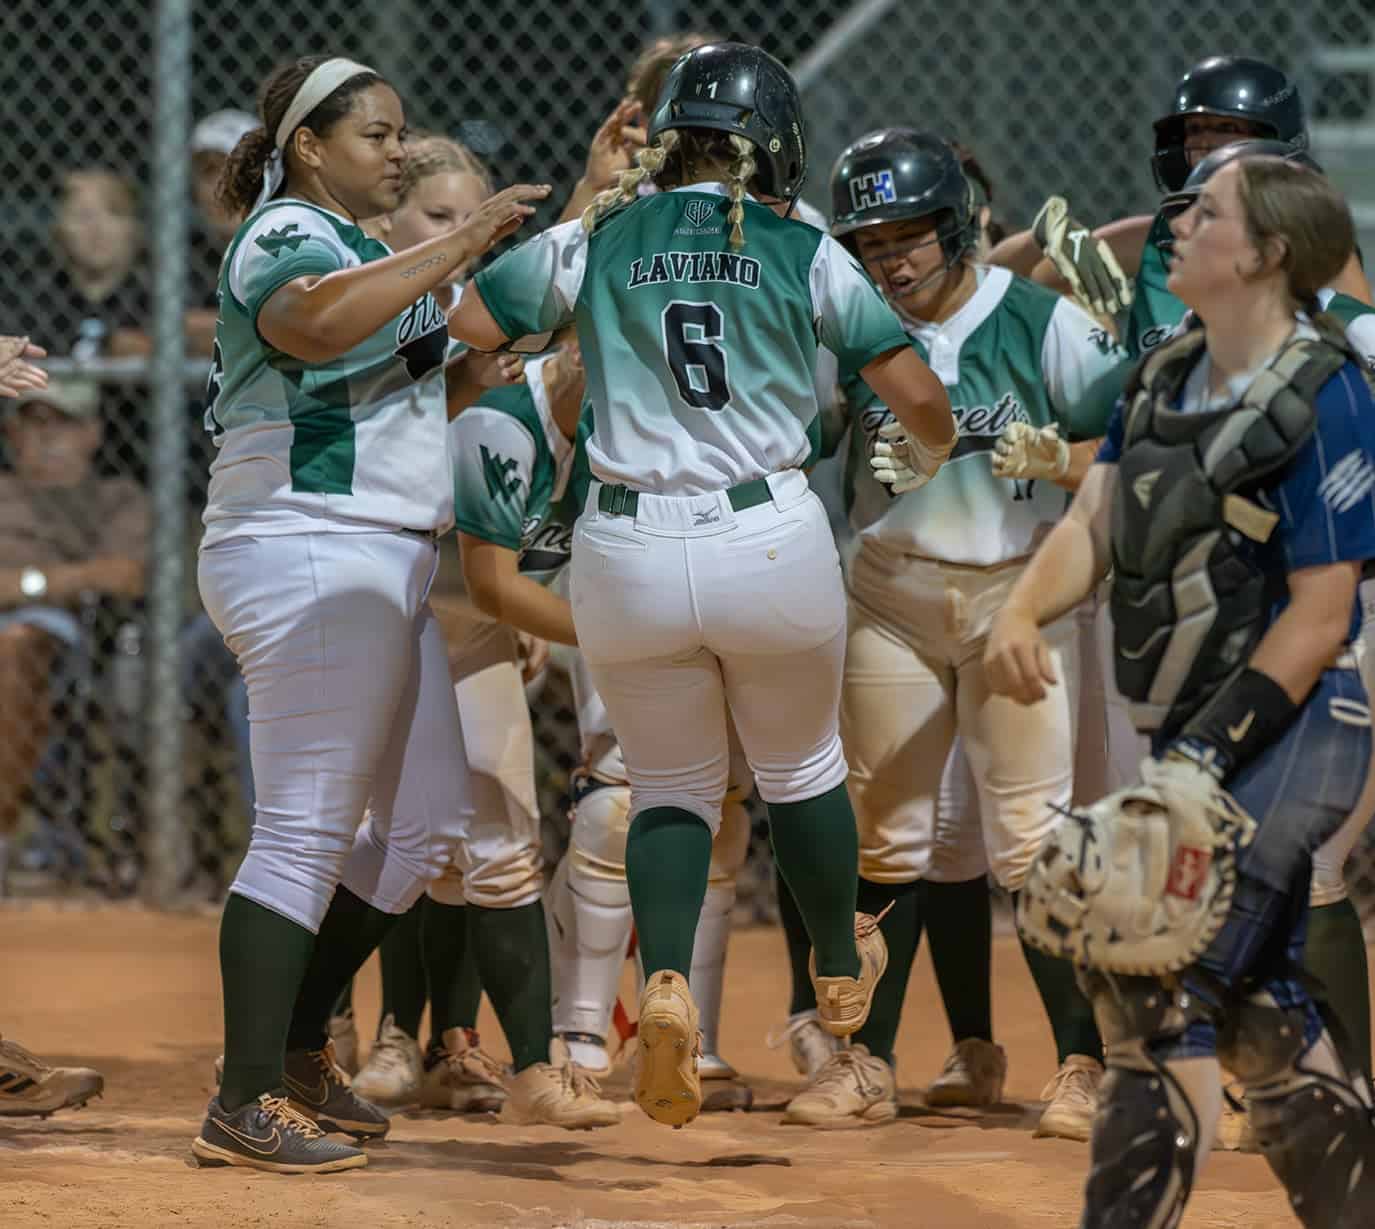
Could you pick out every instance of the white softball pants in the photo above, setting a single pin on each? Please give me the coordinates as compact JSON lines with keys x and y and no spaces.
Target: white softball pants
{"x":350,"y":708}
{"x":913,"y":680}
{"x":689,"y":607}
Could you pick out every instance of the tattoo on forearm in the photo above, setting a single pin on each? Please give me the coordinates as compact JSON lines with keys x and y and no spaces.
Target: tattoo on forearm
{"x":438,"y":258}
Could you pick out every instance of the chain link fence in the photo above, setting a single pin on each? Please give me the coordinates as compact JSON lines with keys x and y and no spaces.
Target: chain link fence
{"x":123,"y":749}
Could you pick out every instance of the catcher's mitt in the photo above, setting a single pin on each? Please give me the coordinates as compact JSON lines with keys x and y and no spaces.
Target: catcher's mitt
{"x":1141,"y":882}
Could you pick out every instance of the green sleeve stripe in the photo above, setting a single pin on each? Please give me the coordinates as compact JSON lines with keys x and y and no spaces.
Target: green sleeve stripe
{"x":486,"y":533}
{"x":506,"y":323}
{"x":857,"y":360}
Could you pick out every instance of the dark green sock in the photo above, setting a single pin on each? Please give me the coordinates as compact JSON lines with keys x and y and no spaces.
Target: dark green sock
{"x":799,"y":949}
{"x":263,"y":957}
{"x":959,"y":928}
{"x":349,"y":934}
{"x":512,"y":949}
{"x":343,"y":1005}
{"x":902,"y":932}
{"x":667,"y":858}
{"x":403,"y":972}
{"x":816,"y":848}
{"x":451,"y":967}
{"x":1071,"y":1017}
{"x":1335,"y":955}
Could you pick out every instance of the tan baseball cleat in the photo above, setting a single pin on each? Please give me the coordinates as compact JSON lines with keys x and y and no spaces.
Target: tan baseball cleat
{"x":558,"y":1094}
{"x":393,"y":1073}
{"x":973,"y":1074}
{"x":853,"y":1089}
{"x":28,"y":1086}
{"x":668,"y":1085}
{"x":460,"y":1076}
{"x":842,"y":1003}
{"x":1073,"y":1097}
{"x":809,"y":1045}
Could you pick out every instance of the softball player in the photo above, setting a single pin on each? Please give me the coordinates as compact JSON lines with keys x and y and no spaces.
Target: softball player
{"x":1252,"y":435}
{"x":328,"y":405}
{"x":931,"y":568}
{"x":704,"y":574}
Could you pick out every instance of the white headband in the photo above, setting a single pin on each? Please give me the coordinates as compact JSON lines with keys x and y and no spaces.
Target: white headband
{"x":321,"y":83}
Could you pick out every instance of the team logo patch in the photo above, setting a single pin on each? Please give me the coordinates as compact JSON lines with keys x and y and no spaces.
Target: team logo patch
{"x":699,"y":212}
{"x":1145,"y":485}
{"x":875,"y":188}
{"x":1348,"y":482}
{"x":1188,"y":872}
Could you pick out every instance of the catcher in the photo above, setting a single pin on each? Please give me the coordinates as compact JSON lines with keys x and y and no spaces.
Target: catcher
{"x":1234,"y":497}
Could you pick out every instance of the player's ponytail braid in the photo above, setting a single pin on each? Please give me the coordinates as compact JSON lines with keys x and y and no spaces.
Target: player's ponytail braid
{"x":741,"y":172}
{"x":648,"y":163}
{"x":241,"y":177}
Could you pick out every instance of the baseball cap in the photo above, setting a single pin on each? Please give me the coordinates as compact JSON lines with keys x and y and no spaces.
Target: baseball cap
{"x":220,"y":131}
{"x":75,"y":398}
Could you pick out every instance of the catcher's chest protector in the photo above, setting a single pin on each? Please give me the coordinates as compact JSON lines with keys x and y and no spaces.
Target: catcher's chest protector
{"x":1189,"y":597}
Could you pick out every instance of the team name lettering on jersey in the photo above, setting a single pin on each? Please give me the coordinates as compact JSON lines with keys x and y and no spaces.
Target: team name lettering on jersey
{"x":545,"y":544}
{"x":695,"y":267}
{"x":980,"y":426}
{"x":422,"y":337}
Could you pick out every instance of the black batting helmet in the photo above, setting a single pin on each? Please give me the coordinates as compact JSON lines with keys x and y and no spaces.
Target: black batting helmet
{"x":896,"y":174}
{"x":1233,"y":86}
{"x":734,"y":87}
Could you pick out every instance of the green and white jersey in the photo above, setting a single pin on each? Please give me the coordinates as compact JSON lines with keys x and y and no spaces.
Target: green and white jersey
{"x":349,"y":445}
{"x":1154,"y":311}
{"x":511,"y":470}
{"x":1358,"y":319}
{"x":700,"y":359}
{"x":1016,"y":352}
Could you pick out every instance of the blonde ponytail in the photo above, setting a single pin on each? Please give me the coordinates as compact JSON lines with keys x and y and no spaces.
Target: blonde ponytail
{"x":648,"y":163}
{"x":741,"y":172}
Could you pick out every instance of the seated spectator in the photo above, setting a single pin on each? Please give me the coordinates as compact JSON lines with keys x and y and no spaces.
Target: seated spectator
{"x":95,"y":300}
{"x":68,"y":538}
{"x":212,"y":227}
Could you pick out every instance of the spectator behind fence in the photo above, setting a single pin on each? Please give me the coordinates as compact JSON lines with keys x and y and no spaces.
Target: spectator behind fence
{"x":67,"y":538}
{"x":212,"y":226}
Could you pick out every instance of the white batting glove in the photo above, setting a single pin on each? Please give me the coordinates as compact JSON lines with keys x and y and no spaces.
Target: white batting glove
{"x":1024,"y":451}
{"x":1086,"y":263}
{"x":904,"y":464}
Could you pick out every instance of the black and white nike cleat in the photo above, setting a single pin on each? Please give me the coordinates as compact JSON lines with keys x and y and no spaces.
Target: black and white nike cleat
{"x":319,"y":1089}
{"x":270,"y":1134}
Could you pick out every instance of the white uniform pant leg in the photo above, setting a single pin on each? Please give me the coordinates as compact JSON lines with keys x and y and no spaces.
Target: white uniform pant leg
{"x":636,"y":620}
{"x":503,"y":865}
{"x":324,"y":630}
{"x":422,"y":803}
{"x":771,"y":600}
{"x":1023,"y":757}
{"x":957,"y":848}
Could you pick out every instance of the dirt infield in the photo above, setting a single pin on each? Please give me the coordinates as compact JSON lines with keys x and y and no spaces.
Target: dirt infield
{"x":136,"y":994}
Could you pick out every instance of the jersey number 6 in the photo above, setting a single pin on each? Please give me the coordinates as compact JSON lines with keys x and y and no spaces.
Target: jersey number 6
{"x":692,"y":345}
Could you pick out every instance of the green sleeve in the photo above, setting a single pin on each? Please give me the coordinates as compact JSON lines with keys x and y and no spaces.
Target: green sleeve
{"x":534,"y":288}
{"x":493,"y":459}
{"x":282,"y":246}
{"x":854,"y":321}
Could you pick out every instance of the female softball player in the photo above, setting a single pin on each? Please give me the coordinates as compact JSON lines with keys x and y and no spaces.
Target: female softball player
{"x":931,"y":568}
{"x":1233,"y":499}
{"x":430,"y":954}
{"x":328,"y":404}
{"x":704,"y":574}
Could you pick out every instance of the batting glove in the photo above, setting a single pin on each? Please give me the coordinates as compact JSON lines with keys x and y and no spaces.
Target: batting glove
{"x":1086,"y":263}
{"x":904,"y":464}
{"x":1024,"y":451}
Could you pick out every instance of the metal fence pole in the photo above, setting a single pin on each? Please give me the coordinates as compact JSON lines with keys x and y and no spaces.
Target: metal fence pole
{"x":167,"y":845}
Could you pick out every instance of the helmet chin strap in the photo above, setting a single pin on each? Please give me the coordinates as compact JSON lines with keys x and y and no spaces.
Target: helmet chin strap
{"x":933,"y":276}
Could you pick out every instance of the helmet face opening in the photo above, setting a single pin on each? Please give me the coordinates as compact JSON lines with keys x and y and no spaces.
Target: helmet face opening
{"x":1229,"y":87}
{"x":900,"y":175}
{"x":740,"y":89}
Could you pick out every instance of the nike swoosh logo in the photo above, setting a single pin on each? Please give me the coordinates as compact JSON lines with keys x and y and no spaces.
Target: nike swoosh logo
{"x":314,"y":1096}
{"x":1237,"y":732}
{"x":252,"y":1142}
